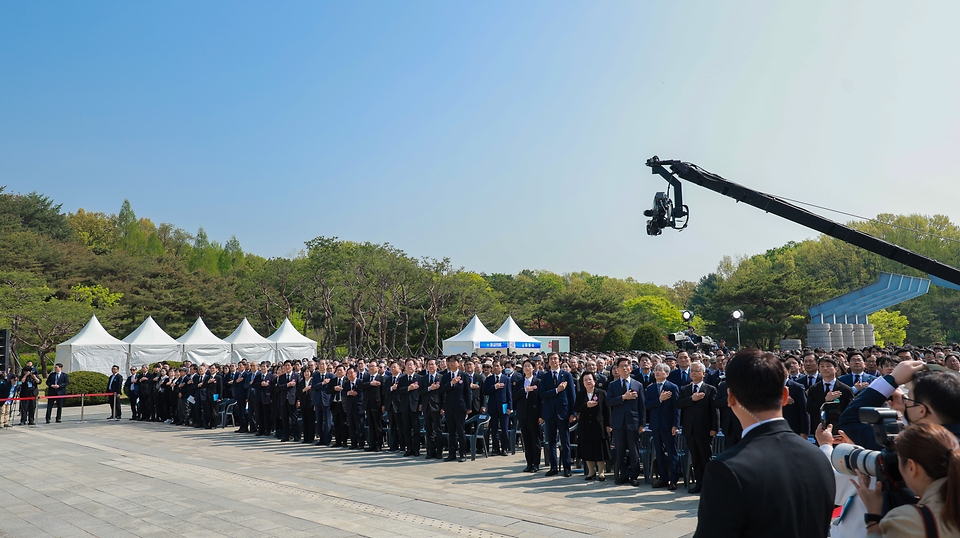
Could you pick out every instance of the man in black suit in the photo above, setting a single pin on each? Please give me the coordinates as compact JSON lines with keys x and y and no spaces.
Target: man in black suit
{"x":372,"y":388}
{"x":57,"y":383}
{"x":287,"y":393}
{"x":558,"y":398}
{"x":115,"y":386}
{"x":336,"y":391}
{"x":353,"y":409}
{"x":240,"y":386}
{"x":408,"y":385}
{"x":430,"y":404}
{"x":265,"y":394}
{"x":749,"y":490}
{"x":322,"y":401}
{"x":700,"y":420}
{"x":455,"y":388}
{"x":392,"y":406}
{"x":476,"y":385}
{"x":681,"y":375}
{"x":811,"y":374}
{"x":500,"y":405}
{"x":795,"y":410}
{"x":213,"y":385}
{"x":627,"y":418}
{"x":729,"y":423}
{"x":827,"y":390}
{"x":526,"y":400}
{"x":644,"y":371}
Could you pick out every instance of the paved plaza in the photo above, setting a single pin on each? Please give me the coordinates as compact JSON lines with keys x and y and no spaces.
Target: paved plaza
{"x":124,"y":479}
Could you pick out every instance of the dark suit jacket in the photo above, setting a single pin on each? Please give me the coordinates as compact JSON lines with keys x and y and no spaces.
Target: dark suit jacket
{"x":456,"y":397}
{"x":700,"y":417}
{"x":712,"y":377}
{"x":679,"y":377}
{"x":476,"y":400}
{"x":848,"y":379}
{"x":115,"y":383}
{"x":372,"y":395}
{"x":754,"y":489}
{"x":431,"y":400}
{"x":729,"y":423}
{"x":815,"y":398}
{"x":51,"y":380}
{"x":497,"y":397}
{"x":352,"y":404}
{"x":808,"y":380}
{"x":663,"y":415}
{"x":628,"y":414}
{"x":638,"y":375}
{"x":858,"y":432}
{"x":526,"y":404}
{"x":409,"y":399}
{"x":558,"y":405}
{"x":796,"y":413}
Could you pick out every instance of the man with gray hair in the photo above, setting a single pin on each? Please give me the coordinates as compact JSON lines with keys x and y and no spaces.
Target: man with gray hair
{"x":661,"y":400}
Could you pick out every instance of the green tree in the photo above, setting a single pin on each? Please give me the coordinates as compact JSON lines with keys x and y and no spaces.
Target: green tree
{"x":890,"y":328}
{"x":615,"y":340}
{"x":648,"y":337}
{"x":656,"y":311}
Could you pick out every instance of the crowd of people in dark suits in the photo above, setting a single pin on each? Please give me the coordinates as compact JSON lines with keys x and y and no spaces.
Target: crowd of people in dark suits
{"x":602,"y":404}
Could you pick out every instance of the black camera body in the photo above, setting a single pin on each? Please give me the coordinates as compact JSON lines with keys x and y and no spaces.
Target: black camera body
{"x":882,"y":464}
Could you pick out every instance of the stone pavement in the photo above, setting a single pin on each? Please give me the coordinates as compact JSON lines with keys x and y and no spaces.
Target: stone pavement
{"x":124,"y":479}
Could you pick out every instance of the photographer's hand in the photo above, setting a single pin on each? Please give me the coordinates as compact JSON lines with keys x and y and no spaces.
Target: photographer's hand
{"x":824,"y":436}
{"x":906,"y":370}
{"x":872,"y":497}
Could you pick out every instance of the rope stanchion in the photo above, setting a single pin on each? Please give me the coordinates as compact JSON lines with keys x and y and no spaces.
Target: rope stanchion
{"x":82,"y":400}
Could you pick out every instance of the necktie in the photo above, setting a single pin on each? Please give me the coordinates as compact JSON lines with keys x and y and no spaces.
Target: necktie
{"x":696,"y":388}
{"x":431,"y":379}
{"x":556,"y":378}
{"x":856,"y":378}
{"x":659,"y":387}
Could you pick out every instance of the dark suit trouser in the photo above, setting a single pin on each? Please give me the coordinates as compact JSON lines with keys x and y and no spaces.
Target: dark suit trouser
{"x":323,"y":419}
{"x":557,"y":428}
{"x":115,"y":406}
{"x":700,"y":449}
{"x":455,"y":422}
{"x":410,"y":427}
{"x":264,"y":425}
{"x":628,"y":454}
{"x":132,"y":398}
{"x":58,"y":402}
{"x":375,"y":424}
{"x":183,"y":410}
{"x":668,"y":462}
{"x":28,"y":411}
{"x":197,"y":410}
{"x":355,"y":426}
{"x":147,"y":411}
{"x":431,"y":425}
{"x":240,"y":412}
{"x":530,"y":433}
{"x":308,"y":416}
{"x":209,"y":407}
{"x":339,"y":423}
{"x":288,"y":418}
{"x":396,"y":436}
{"x":498,"y":431}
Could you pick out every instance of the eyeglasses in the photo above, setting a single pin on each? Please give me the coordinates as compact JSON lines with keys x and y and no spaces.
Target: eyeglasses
{"x":914,"y":402}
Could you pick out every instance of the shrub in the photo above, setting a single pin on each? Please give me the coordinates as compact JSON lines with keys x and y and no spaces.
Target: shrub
{"x":615,"y":340}
{"x":171,"y":364}
{"x":87,"y":383}
{"x":648,"y":338}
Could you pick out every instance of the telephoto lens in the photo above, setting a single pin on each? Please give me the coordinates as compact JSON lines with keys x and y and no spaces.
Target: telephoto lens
{"x":847,"y":459}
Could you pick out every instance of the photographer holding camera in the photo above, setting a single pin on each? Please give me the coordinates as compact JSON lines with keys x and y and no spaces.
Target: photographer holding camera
{"x":929,"y":461}
{"x":29,"y":388}
{"x":935,"y":398}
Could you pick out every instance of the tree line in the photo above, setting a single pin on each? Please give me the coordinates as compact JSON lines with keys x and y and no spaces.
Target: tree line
{"x":361,"y":298}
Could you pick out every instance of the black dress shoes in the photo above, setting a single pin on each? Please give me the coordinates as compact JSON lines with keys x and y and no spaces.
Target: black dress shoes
{"x":552,"y":472}
{"x":660,"y":483}
{"x":672,"y":486}
{"x":635,"y":483}
{"x":528,"y":469}
{"x":567,"y":473}
{"x":694,"y":490}
{"x":462,"y":459}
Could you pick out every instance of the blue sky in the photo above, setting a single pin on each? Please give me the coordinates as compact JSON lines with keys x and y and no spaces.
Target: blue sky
{"x":503,"y":135}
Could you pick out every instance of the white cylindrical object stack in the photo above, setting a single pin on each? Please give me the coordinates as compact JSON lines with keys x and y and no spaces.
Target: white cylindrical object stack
{"x":818,"y":335}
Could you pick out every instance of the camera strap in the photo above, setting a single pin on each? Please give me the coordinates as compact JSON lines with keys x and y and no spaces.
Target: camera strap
{"x":929,"y":524}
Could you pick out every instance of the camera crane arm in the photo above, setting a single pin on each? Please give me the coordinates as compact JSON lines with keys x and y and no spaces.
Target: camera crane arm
{"x":664,"y":215}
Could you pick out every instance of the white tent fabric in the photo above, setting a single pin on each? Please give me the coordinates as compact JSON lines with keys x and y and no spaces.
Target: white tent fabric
{"x":246,"y":343}
{"x":516,"y":338}
{"x":202,"y":346}
{"x":93,"y":349}
{"x":474,"y":338}
{"x":290,"y":344}
{"x":149,"y":344}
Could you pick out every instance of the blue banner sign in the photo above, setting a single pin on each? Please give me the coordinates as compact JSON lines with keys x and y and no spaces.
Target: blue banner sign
{"x":493,"y":345}
{"x":527,"y":345}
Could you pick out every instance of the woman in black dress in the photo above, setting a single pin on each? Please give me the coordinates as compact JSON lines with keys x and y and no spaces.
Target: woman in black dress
{"x":593,"y":427}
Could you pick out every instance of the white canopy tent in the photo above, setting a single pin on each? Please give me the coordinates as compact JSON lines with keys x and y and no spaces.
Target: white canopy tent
{"x":93,"y":349}
{"x":246,"y":343}
{"x":149,"y":344}
{"x":290,"y":344}
{"x":474,"y":338}
{"x":202,"y":346}
{"x":517,"y":340}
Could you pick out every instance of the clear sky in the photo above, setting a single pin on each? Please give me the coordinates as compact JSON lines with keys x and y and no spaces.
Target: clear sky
{"x":504,"y":135}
